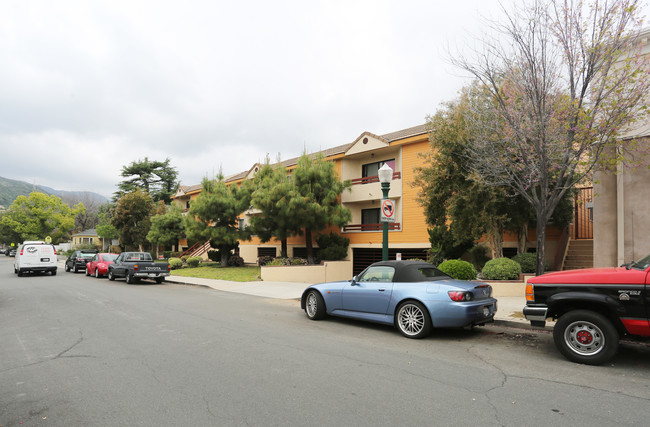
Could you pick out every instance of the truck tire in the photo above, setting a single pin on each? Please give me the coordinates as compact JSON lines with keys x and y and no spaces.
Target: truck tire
{"x":111,"y":277}
{"x":130,"y":279}
{"x":584,"y":336}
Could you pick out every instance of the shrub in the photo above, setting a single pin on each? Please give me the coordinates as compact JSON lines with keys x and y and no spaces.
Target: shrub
{"x":528,"y":262}
{"x":458,"y":269}
{"x":184,"y":258}
{"x":235,"y":261}
{"x":214,"y":255}
{"x":264,"y":260}
{"x":478,"y":256}
{"x":332,"y":247}
{"x":175,"y":263}
{"x":298,"y":261}
{"x":167,"y":254}
{"x":501,"y":269}
{"x":279,"y":261}
{"x":193,"y":261}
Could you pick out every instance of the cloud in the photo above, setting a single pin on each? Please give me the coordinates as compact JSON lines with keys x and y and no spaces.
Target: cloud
{"x":88,"y":87}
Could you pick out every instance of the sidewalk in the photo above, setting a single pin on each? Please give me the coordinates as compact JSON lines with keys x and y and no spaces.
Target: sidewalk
{"x":508,"y":312}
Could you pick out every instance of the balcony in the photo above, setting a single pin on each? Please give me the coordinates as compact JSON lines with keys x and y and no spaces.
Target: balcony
{"x":369,"y":188}
{"x":370,"y":227}
{"x":375,"y":178}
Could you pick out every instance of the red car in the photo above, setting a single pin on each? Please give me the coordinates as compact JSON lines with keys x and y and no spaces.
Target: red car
{"x":98,"y":266}
{"x":594,"y":308}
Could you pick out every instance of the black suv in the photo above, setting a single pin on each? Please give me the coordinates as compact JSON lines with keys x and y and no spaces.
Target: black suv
{"x":78,"y":259}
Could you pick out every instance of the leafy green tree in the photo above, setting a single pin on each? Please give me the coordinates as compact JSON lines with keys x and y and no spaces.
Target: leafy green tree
{"x":38,"y":216}
{"x":104,"y":228}
{"x":271,"y":196}
{"x":564,"y":79}
{"x":459,"y":208}
{"x":132,"y":218}
{"x":167,"y":228}
{"x":159,"y":179}
{"x":315,"y":198}
{"x":214,"y":216}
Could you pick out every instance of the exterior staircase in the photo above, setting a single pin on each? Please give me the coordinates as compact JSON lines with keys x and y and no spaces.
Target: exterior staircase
{"x":580,"y":254}
{"x":199,"y":249}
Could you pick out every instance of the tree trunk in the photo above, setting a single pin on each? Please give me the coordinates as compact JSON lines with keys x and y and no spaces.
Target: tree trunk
{"x":496,"y":242}
{"x":541,"y":243}
{"x":225,"y":252}
{"x":522,"y":239}
{"x":283,"y":248}
{"x":310,"y":249}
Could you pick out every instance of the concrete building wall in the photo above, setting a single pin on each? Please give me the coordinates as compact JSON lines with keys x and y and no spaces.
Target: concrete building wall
{"x":621,"y":216}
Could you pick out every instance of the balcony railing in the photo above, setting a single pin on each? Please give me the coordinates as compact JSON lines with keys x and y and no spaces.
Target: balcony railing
{"x":374,"y":178}
{"x":370,"y":227}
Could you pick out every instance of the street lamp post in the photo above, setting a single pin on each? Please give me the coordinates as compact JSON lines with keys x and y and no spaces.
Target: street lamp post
{"x":385,"y":177}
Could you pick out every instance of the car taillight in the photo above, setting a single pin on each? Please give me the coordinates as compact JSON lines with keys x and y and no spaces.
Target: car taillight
{"x":530,"y":294}
{"x":21,"y":251}
{"x":460,"y":295}
{"x":135,"y":267}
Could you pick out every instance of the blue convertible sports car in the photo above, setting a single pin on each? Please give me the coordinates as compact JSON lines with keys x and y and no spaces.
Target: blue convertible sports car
{"x":413,"y":295}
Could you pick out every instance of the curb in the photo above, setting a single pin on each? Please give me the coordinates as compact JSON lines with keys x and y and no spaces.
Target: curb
{"x":521,"y":325}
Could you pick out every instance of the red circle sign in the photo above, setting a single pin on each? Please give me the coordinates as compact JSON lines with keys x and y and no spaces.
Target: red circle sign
{"x":388,"y":208}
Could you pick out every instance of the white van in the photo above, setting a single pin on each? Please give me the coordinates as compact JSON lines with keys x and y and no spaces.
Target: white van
{"x":35,"y":256}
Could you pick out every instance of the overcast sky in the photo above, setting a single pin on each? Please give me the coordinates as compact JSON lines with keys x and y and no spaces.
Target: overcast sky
{"x":87,"y":87}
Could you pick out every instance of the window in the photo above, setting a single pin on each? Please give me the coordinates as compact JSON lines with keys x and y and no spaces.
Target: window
{"x":265,"y":252}
{"x":371,"y":169}
{"x":378,"y":273}
{"x":370,"y":216}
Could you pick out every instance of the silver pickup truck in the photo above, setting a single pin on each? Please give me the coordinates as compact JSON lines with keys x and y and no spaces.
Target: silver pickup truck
{"x":134,"y":266}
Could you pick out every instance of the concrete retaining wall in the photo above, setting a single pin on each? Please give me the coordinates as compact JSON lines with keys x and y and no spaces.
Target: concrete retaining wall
{"x":329,"y":271}
{"x":507,"y":288}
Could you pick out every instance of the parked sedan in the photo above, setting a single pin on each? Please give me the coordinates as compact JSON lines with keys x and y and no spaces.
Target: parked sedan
{"x":412,"y":295}
{"x":98,"y":265}
{"x":78,"y":259}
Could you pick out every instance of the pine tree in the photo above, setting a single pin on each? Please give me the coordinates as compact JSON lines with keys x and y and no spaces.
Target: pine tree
{"x":315,"y":199}
{"x":214,"y":216}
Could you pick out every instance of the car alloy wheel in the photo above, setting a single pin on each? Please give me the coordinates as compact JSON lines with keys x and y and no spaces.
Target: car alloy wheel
{"x":315,"y":305}
{"x":96,"y":273}
{"x":67,"y":268}
{"x":413,"y":320}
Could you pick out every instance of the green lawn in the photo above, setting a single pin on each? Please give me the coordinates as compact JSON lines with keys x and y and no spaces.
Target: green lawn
{"x":215,"y":271}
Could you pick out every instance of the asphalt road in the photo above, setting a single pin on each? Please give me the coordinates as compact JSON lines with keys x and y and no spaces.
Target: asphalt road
{"x":80,"y":351}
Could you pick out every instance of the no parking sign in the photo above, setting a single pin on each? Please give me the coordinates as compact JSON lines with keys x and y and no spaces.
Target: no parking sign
{"x":387,"y":210}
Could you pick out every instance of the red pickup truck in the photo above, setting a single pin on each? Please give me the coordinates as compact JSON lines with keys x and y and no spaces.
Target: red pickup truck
{"x":593,"y":308}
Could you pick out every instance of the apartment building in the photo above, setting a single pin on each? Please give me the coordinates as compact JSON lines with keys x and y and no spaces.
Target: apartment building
{"x":359,"y":162}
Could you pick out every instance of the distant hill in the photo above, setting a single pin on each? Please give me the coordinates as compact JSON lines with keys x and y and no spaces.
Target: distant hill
{"x":10,"y":189}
